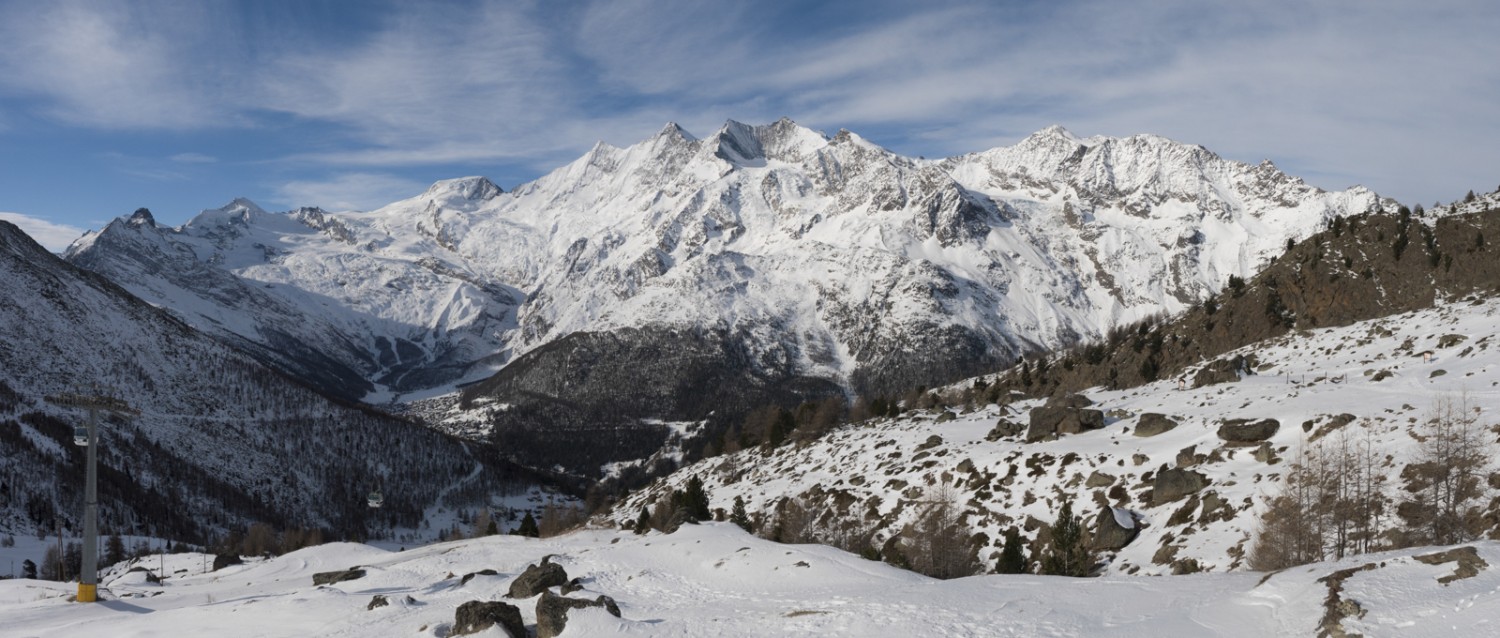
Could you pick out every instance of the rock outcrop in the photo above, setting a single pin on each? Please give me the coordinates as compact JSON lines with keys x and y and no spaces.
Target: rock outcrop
{"x":552,"y":612}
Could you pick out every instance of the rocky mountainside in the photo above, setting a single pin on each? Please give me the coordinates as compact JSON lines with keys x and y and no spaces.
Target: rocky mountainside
{"x":222,"y":439}
{"x":1361,"y":267}
{"x":1167,"y":479}
{"x":792,"y":264}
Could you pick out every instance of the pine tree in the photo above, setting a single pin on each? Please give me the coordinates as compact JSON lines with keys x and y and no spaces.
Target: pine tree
{"x":1013,"y":554}
{"x":643,"y":523}
{"x":28,"y":569}
{"x":738,"y":516}
{"x":1067,"y":554}
{"x":114,"y":550}
{"x":695,"y":501}
{"x":527,"y":527}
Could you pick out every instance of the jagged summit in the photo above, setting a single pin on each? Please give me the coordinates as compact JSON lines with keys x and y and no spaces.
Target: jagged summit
{"x":142,"y":217}
{"x":468,"y":188}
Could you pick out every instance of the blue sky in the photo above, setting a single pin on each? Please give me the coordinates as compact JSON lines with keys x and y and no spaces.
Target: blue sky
{"x":179,"y":106}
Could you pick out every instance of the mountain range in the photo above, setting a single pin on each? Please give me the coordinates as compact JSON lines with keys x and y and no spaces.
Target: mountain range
{"x":686,"y":279}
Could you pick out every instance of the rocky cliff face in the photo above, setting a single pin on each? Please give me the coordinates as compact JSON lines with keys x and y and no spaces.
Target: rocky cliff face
{"x":818,"y":258}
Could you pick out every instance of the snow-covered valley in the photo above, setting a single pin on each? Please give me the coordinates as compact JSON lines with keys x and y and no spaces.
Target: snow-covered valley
{"x":715,"y":580}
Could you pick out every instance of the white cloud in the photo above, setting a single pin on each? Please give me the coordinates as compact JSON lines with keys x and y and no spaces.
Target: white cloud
{"x":117,"y":65}
{"x":1394,"y":94}
{"x":349,"y":191}
{"x":193,"y":158}
{"x":54,"y":237}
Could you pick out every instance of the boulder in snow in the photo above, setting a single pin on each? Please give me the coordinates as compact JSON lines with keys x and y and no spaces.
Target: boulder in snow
{"x":1051,"y":420}
{"x":1248,"y":431}
{"x":537,"y":578}
{"x":329,"y":578}
{"x":1113,"y":529}
{"x":552,"y":612}
{"x":1153,"y":423}
{"x":224,"y":560}
{"x":478,"y":615}
{"x":1174,"y":483}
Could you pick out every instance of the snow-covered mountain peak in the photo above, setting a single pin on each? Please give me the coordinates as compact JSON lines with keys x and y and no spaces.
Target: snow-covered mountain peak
{"x":141,"y":217}
{"x":776,"y":233}
{"x":473,"y":188}
{"x":1056,"y":132}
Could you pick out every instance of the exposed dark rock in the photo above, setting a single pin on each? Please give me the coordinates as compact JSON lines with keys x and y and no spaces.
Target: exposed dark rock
{"x":477,"y":615}
{"x":1331,"y":426}
{"x":946,"y":416}
{"x":1109,"y":534}
{"x":377,"y":601}
{"x":1469,"y":562}
{"x":1174,"y":483}
{"x":1099,"y":479}
{"x":552,"y":612}
{"x":1248,"y":431}
{"x":329,"y":578}
{"x":1189,"y":456}
{"x":1051,"y":421}
{"x":1004,"y":428}
{"x":1335,"y":607}
{"x":470,"y":576}
{"x":224,"y":560}
{"x":1152,"y":424}
{"x":537,"y":578}
{"x":1450,"y":340}
{"x":1266,"y":454}
{"x":1071,"y":401}
{"x":1223,"y":371}
{"x":572,"y":586}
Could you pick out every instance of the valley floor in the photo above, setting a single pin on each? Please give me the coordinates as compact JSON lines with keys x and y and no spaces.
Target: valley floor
{"x":714,"y":580}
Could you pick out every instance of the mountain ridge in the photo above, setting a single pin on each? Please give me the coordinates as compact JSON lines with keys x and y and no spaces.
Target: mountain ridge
{"x":825,"y":257}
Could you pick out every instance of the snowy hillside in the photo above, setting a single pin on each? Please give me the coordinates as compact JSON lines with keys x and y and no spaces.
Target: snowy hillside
{"x":221,"y":440}
{"x":714,"y":580}
{"x":871,"y":481}
{"x":808,"y":257}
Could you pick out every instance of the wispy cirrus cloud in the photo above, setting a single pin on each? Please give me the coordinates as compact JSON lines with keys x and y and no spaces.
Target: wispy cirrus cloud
{"x":193,"y":158}
{"x":52,"y":236}
{"x":1389,"y":93}
{"x":348,"y":191}
{"x":118,"y":65}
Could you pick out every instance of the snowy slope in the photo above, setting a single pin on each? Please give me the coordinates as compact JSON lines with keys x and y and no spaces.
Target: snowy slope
{"x":221,"y":439}
{"x":879,"y":474}
{"x":714,"y":580}
{"x":822,"y":257}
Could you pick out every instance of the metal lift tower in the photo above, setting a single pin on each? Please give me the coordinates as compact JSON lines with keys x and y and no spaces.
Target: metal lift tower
{"x":88,"y":579}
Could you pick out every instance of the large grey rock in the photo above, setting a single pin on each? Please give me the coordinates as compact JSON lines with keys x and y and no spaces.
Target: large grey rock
{"x":329,"y":578}
{"x":1152,"y":424}
{"x":1004,"y":428}
{"x":1071,"y":401}
{"x":537,"y":578}
{"x":1109,"y":534}
{"x":224,"y":560}
{"x":552,"y":612}
{"x":1174,"y":483}
{"x":1052,"y":420}
{"x":478,"y":615}
{"x":1223,"y":371}
{"x":1248,"y":431}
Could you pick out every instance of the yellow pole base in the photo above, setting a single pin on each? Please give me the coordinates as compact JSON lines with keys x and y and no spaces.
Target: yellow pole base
{"x":87,"y":593}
